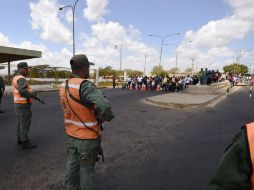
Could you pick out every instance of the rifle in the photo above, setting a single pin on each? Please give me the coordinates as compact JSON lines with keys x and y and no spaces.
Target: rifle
{"x":39,"y":100}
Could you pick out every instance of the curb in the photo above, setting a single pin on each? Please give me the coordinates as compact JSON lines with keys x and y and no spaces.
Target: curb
{"x":180,"y":106}
{"x":210,"y":103}
{"x":222,"y":97}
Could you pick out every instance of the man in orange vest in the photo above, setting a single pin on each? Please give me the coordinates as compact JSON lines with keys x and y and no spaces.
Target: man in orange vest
{"x":85,"y":109}
{"x":235,"y":169}
{"x":22,"y":95}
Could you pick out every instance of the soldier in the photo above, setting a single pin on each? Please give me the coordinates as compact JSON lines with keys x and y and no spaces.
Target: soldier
{"x":235,"y":169}
{"x":85,"y":109}
{"x":2,"y":88}
{"x":22,"y":95}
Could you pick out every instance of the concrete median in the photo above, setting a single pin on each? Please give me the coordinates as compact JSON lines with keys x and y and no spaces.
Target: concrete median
{"x":190,"y":100}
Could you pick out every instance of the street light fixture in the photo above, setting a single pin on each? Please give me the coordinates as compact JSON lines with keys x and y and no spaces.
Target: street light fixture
{"x":162,"y":42}
{"x":121,"y":52}
{"x":73,"y":16}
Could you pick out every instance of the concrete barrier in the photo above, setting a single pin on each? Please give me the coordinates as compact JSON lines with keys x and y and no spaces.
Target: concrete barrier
{"x":204,"y":89}
{"x":54,"y":85}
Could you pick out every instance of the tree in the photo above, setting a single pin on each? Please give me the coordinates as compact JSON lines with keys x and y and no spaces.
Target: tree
{"x":134,"y":73}
{"x":236,"y":69}
{"x":107,"y":71}
{"x":188,"y":70}
{"x":156,"y":69}
{"x":174,"y":70}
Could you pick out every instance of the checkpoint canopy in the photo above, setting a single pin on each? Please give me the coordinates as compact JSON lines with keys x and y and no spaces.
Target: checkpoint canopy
{"x":9,"y":54}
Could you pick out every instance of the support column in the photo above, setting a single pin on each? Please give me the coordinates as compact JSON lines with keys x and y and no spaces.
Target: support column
{"x":96,"y":77}
{"x":9,"y":71}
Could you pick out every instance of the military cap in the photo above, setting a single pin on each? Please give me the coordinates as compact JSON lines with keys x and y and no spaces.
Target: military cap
{"x":79,"y":61}
{"x":23,"y":65}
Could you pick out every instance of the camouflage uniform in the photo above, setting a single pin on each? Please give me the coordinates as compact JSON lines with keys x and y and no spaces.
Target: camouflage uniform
{"x":2,"y":88}
{"x":235,"y":167}
{"x":83,"y":153}
{"x":24,"y":112}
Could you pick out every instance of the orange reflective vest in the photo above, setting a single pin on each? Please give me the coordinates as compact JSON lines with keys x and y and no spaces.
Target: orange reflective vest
{"x":79,"y":121}
{"x":250,"y":135}
{"x":18,"y":99}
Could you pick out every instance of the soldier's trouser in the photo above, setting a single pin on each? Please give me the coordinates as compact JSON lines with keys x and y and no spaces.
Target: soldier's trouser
{"x":1,"y":95}
{"x":24,"y":114}
{"x":81,"y":158}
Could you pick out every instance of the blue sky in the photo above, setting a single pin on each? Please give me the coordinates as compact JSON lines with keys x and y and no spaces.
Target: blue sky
{"x":217,"y":29}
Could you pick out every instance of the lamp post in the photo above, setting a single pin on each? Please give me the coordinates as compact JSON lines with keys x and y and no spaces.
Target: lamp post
{"x":193,"y":61}
{"x":162,"y":42}
{"x":121,"y":52}
{"x":73,"y":16}
{"x":145,"y":65}
{"x":240,"y":54}
{"x":192,"y":66}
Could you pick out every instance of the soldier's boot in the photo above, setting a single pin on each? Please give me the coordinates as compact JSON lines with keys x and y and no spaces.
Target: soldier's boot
{"x":19,"y":142}
{"x":28,"y":145}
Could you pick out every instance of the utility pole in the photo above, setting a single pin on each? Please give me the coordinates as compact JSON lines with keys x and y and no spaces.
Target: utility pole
{"x":73,"y":24}
{"x":145,"y":65}
{"x":121,"y":53}
{"x":192,"y":67}
{"x":162,"y":38}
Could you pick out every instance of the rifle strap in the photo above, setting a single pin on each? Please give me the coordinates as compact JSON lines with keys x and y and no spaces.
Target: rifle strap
{"x":78,"y":101}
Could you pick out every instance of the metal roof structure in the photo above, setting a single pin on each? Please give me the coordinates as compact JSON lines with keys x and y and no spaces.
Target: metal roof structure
{"x":9,"y":54}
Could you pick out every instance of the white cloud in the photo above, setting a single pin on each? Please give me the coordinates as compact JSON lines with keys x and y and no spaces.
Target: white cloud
{"x":220,"y":52}
{"x":220,"y":32}
{"x":45,"y":20}
{"x":243,"y":9}
{"x":211,"y":40}
{"x":54,"y":59}
{"x":69,"y":16}
{"x":95,"y":10}
{"x":4,"y":40}
{"x":209,"y":43}
{"x":100,"y":47}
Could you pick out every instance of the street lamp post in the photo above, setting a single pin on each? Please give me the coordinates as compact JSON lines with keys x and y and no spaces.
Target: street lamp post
{"x":193,"y":61}
{"x":162,"y":42}
{"x":121,"y":52}
{"x":145,"y":65}
{"x":192,"y":66}
{"x":73,"y":29}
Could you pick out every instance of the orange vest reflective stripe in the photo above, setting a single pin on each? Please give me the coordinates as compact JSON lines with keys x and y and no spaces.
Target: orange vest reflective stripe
{"x":79,"y":121}
{"x":250,"y":135}
{"x":18,"y":99}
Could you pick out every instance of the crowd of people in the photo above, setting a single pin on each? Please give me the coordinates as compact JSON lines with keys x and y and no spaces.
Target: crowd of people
{"x":173,"y":83}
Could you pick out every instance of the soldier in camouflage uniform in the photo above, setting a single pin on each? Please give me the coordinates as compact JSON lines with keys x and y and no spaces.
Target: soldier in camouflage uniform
{"x":85,"y":109}
{"x":23,"y":103}
{"x":235,"y":169}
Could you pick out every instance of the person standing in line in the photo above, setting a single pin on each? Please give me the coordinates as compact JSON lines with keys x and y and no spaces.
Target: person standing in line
{"x":2,"y":88}
{"x":114,"y":81}
{"x":85,"y":109}
{"x":23,"y":95}
{"x":235,"y":169}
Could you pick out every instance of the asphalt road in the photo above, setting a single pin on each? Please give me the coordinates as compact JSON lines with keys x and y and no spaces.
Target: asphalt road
{"x":146,"y":147}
